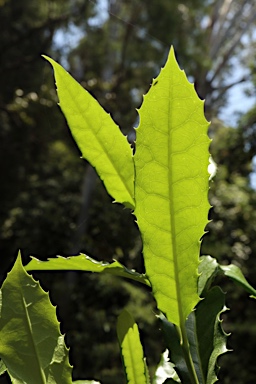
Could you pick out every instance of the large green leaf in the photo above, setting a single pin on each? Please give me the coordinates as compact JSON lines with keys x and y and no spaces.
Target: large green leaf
{"x":171,"y":189}
{"x":87,"y":264}
{"x":131,"y":349}
{"x":97,"y":136}
{"x":31,"y":345}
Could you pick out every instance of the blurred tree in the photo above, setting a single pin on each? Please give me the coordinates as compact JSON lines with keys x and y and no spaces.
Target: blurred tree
{"x":29,"y":146}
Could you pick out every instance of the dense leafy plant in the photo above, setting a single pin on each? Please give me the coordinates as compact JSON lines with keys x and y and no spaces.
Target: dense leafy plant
{"x":166,"y":185}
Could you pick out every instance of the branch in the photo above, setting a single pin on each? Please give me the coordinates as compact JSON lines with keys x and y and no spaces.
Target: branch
{"x":235,"y":42}
{"x":224,"y":32}
{"x":228,"y":86}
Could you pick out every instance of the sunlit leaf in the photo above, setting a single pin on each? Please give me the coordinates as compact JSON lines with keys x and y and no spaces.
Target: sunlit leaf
{"x":171,"y":189}
{"x":97,"y":136}
{"x":235,"y":273}
{"x":208,"y":269}
{"x":131,"y":349}
{"x":87,"y":264}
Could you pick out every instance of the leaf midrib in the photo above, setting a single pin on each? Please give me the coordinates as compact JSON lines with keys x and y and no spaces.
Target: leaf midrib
{"x":171,"y":210}
{"x":30,"y":332}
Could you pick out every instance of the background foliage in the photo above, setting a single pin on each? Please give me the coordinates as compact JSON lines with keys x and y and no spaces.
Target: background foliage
{"x":52,"y":202}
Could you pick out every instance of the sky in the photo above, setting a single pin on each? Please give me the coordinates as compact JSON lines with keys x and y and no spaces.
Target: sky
{"x":238,"y":102}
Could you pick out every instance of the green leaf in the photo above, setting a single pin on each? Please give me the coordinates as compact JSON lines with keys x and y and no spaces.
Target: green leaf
{"x":16,"y":381}
{"x":131,"y":349}
{"x":31,"y":345}
{"x":97,"y":136}
{"x":211,"y":339}
{"x":2,"y":367}
{"x":147,"y":376}
{"x":193,"y":344}
{"x":208,"y":269}
{"x":235,"y":273}
{"x":171,"y":189}
{"x":87,"y":264}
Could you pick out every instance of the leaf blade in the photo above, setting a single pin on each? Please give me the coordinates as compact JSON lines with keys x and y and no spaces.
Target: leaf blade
{"x":171,"y":189}
{"x":209,"y":335}
{"x":208,"y":269}
{"x":99,"y":139}
{"x":26,"y":308}
{"x":131,"y":349}
{"x":234,"y":273}
{"x":85,"y":263}
{"x":211,"y":309}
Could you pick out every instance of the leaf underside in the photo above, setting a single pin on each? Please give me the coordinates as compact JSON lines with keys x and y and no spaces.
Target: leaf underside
{"x":171,"y":188}
{"x":31,"y":345}
{"x":98,"y":137}
{"x":86,"y":264}
{"x":131,"y":349}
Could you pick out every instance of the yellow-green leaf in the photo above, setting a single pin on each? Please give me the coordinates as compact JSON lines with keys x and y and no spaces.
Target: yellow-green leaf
{"x":97,"y":136}
{"x":131,"y":349}
{"x":85,"y":263}
{"x":171,"y":188}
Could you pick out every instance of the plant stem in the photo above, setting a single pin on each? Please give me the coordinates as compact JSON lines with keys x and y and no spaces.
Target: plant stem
{"x":188,"y":357}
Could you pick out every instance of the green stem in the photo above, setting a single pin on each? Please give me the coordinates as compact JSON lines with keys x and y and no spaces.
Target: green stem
{"x":188,"y":357}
